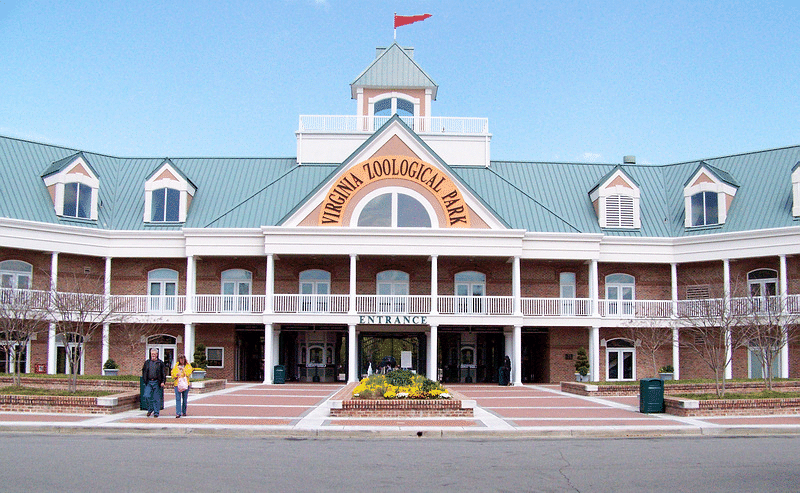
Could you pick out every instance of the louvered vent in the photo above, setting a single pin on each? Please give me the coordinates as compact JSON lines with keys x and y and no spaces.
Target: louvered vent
{"x":619,"y":211}
{"x":700,"y":292}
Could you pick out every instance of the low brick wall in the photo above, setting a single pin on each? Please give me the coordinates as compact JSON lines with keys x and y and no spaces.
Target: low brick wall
{"x":600,"y":390}
{"x":369,"y":408}
{"x":730,"y":407}
{"x":109,"y":404}
{"x":60,"y":383}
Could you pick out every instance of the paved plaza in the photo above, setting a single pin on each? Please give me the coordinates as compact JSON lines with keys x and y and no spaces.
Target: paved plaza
{"x":295,"y":409}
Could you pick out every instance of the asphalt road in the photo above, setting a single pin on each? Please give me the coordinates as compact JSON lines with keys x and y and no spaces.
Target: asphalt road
{"x":32,"y":462}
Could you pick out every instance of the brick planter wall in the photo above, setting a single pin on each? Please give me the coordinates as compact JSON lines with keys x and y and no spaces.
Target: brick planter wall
{"x":110,"y":404}
{"x":600,"y":390}
{"x":367,"y":408}
{"x":729,"y":407}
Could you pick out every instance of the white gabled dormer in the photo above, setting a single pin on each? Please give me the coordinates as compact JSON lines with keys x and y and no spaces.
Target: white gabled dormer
{"x":708,"y":195}
{"x":74,"y":187}
{"x":616,"y":200}
{"x":796,"y":190}
{"x":168,"y":194}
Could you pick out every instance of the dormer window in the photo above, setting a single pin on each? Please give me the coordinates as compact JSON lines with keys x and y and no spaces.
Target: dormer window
{"x":74,"y":187}
{"x":616,"y":201}
{"x":708,"y":195}
{"x":168,"y":194}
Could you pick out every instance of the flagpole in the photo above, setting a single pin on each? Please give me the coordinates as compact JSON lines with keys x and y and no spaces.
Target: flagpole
{"x":394,"y":23}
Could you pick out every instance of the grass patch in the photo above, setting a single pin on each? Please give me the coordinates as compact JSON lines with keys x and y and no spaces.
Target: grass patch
{"x":44,"y":376}
{"x":12,"y":390}
{"x":764,"y":394}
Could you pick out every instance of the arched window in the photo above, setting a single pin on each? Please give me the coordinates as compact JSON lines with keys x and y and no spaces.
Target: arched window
{"x":620,"y":294}
{"x":15,"y":274}
{"x":620,"y":360}
{"x":165,"y":205}
{"x":315,"y":286}
{"x":470,"y":288}
{"x":236,"y":288}
{"x":167,"y":347}
{"x":394,"y":208}
{"x":392,"y":287}
{"x":162,"y":290}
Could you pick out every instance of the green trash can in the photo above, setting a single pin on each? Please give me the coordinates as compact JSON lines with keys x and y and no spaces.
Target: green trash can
{"x":502,"y":376}
{"x":651,"y":395}
{"x":144,"y":403}
{"x":279,"y":376}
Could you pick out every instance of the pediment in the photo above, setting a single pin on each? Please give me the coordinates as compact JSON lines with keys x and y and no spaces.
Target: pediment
{"x":395,"y":159}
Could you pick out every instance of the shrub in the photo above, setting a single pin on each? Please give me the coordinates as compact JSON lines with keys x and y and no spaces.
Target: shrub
{"x":582,"y":362}
{"x":110,"y":364}
{"x":199,"y":357}
{"x":399,"y":378}
{"x":666,"y":369}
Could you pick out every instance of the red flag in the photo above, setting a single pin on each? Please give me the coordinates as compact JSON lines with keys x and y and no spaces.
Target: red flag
{"x":403,"y":20}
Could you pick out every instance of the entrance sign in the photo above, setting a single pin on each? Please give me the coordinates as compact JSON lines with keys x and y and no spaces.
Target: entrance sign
{"x":406,"y":168}
{"x":393,"y":320}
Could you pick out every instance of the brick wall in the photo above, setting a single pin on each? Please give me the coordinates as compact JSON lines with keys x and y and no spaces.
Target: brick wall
{"x":219,"y":335}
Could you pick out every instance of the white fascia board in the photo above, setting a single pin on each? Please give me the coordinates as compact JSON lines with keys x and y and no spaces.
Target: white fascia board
{"x":746,"y":244}
{"x":561,"y":246}
{"x":636,"y":250}
{"x":224,"y":242}
{"x":405,"y":241}
{"x":47,"y":237}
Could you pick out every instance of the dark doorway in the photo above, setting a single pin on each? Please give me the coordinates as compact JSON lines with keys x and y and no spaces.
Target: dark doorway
{"x":491,"y":355}
{"x":536,"y":356}
{"x":386,"y":350}
{"x":250,"y":361}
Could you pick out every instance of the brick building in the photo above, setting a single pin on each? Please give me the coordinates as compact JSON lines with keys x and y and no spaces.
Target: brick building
{"x":392,"y":237}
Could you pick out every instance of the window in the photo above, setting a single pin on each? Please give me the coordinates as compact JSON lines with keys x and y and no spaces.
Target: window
{"x":167,"y":347}
{"x":77,"y":200}
{"x":620,"y":293}
{"x":166,"y":205}
{"x":392,"y":287}
{"x":567,"y":292}
{"x":315,"y":286}
{"x":619,"y":211}
{"x":620,"y":360}
{"x":705,"y":210}
{"x":215,"y":357}
{"x":10,"y":354}
{"x":470,"y":289}
{"x":395,"y":209}
{"x":73,"y":185}
{"x":69,"y":351}
{"x":763,"y":287}
{"x":15,"y":274}
{"x":162,"y":290}
{"x":236,"y":288}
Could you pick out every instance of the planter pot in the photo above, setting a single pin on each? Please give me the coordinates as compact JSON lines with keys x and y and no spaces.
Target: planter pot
{"x":581,"y":378}
{"x":198,"y":374}
{"x":109,"y":372}
{"x":666,"y":376}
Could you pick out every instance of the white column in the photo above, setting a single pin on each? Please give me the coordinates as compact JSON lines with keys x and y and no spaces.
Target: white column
{"x":433,"y":354}
{"x":106,"y":326}
{"x":509,"y":344}
{"x":594,"y":288}
{"x":353,"y":374}
{"x":268,"y":361}
{"x":434,"y":284}
{"x":353,"y":258}
{"x":676,"y":353}
{"x":269,"y":287}
{"x":188,"y":341}
{"x":594,"y":354}
{"x":51,"y":335}
{"x":516,"y":361}
{"x":784,"y":293}
{"x":673,"y":271}
{"x":516,"y":287}
{"x":726,"y":279}
{"x":191,"y":284}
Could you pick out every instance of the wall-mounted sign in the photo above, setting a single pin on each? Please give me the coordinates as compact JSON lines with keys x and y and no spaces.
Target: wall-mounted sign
{"x":393,"y":319}
{"x":358,"y":176}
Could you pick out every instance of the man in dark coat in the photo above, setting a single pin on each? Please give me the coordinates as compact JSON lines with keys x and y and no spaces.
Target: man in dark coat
{"x":154,"y":374}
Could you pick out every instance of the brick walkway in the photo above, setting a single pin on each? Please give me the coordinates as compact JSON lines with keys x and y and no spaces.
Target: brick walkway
{"x":531,"y":410}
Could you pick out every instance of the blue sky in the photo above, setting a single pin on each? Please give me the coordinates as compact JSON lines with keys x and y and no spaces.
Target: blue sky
{"x":559,"y":81}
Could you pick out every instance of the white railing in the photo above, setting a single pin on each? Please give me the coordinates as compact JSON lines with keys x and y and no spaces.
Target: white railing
{"x":650,"y":309}
{"x":368,"y":124}
{"x":477,"y":305}
{"x":311,"y":303}
{"x":25,"y":299}
{"x":385,"y":304}
{"x":225,"y":303}
{"x":149,"y":304}
{"x":556,"y":307}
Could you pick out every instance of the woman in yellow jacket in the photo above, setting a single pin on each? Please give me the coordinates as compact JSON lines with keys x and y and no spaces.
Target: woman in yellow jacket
{"x":180,"y":378}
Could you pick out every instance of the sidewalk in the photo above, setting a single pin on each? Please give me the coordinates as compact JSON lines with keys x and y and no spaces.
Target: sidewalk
{"x":302,"y":410}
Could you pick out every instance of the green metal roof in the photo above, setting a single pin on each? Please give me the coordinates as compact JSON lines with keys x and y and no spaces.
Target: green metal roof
{"x":534,"y":196}
{"x":394,"y":68}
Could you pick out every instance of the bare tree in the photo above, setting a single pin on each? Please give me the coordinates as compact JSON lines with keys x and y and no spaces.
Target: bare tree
{"x":79,"y":315}
{"x":135,"y":332}
{"x":714,"y":329}
{"x":651,"y":335}
{"x":23,"y":315}
{"x":770,"y":328}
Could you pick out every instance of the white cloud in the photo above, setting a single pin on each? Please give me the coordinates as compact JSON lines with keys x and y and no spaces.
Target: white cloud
{"x":590,"y":157}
